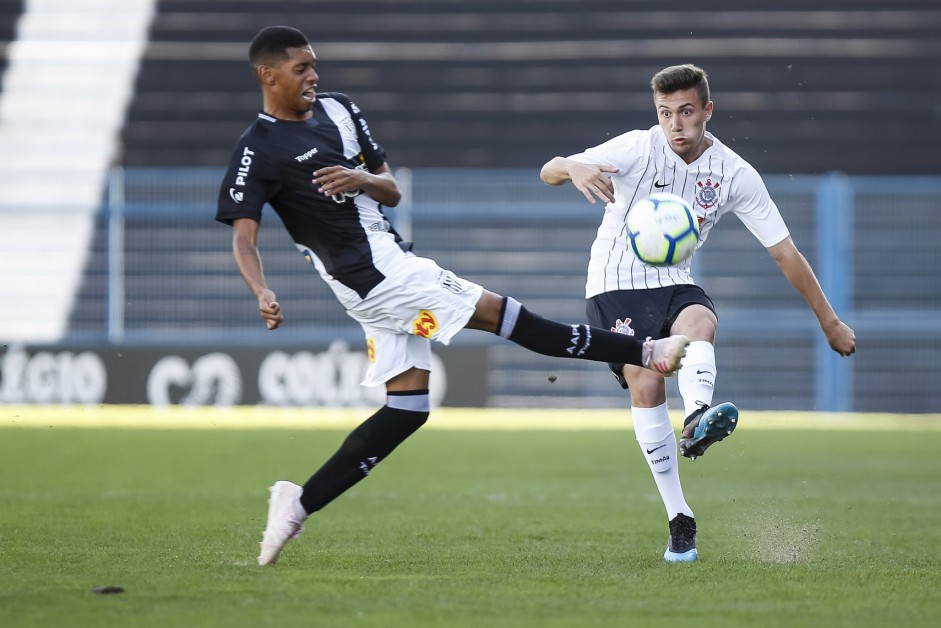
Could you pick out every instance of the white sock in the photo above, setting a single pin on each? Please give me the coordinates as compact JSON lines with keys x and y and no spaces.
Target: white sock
{"x":299,"y":511}
{"x":658,"y":445}
{"x":696,"y":379}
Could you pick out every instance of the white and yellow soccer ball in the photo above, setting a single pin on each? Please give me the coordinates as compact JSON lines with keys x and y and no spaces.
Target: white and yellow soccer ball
{"x":662,"y":229}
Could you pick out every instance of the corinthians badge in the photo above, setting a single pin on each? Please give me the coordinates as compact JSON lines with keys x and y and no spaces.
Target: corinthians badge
{"x":707,"y":193}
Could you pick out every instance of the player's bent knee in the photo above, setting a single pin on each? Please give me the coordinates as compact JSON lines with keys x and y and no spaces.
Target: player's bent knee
{"x":647,"y":388}
{"x":412,"y":379}
{"x":487,"y":313}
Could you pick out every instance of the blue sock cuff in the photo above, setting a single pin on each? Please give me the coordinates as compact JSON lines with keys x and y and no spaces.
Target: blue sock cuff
{"x":412,"y":400}
{"x":511,"y":312}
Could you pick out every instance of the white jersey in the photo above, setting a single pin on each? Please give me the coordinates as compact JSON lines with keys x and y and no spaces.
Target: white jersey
{"x":717,"y":183}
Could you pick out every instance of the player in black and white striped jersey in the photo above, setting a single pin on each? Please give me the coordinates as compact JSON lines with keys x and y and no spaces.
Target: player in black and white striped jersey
{"x":312,"y":158}
{"x":678,"y":155}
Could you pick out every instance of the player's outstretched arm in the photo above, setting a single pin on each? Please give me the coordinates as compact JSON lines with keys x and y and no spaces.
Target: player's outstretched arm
{"x":796,"y":268}
{"x":245,"y":249}
{"x":589,"y":179}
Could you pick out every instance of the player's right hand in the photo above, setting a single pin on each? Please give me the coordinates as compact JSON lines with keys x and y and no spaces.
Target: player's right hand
{"x":270,"y":309}
{"x":841,"y":338}
{"x":592,"y":181}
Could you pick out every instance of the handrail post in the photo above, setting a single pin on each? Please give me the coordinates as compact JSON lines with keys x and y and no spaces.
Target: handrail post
{"x":834,"y":217}
{"x":116,"y":255}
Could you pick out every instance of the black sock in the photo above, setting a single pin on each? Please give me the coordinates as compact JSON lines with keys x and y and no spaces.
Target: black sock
{"x":365,"y":447}
{"x":567,"y":341}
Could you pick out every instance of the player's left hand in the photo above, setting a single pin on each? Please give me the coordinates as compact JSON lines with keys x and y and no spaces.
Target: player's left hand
{"x":270,"y":309}
{"x":842,"y":338}
{"x":339,"y":179}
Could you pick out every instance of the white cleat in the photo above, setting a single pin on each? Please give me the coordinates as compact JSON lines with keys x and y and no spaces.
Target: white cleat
{"x":665,"y":354}
{"x":285,"y":520}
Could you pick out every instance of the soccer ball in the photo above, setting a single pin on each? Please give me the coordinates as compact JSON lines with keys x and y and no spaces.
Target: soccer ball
{"x":663,"y":230}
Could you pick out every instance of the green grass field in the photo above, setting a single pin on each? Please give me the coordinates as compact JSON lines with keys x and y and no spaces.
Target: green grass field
{"x":803,"y":521}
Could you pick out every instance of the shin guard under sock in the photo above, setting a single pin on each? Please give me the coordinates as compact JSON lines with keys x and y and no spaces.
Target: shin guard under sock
{"x":658,"y":445}
{"x":584,"y":342}
{"x":696,"y":379}
{"x":365,"y":447}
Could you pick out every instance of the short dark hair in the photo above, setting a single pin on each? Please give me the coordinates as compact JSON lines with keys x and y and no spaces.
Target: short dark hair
{"x":680,"y":77}
{"x":271,"y":43}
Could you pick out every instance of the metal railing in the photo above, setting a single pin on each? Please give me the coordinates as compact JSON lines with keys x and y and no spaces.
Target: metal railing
{"x":871,"y":241}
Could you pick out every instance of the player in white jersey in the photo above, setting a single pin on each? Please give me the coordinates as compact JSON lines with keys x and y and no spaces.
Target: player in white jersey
{"x":312,"y":158}
{"x":626,"y":295}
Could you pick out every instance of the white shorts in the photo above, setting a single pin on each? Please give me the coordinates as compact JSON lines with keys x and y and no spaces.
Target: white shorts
{"x":418,"y":303}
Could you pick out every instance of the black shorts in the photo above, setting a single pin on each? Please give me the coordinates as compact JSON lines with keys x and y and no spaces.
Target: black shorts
{"x":643,"y":313}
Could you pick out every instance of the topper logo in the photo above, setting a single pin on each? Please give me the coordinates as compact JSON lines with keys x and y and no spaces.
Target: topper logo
{"x":306,"y":156}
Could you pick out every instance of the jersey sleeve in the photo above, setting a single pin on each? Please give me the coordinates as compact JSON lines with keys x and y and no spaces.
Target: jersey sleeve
{"x":373,"y":153}
{"x":248,"y":183}
{"x":755,"y":208}
{"x":620,"y":152}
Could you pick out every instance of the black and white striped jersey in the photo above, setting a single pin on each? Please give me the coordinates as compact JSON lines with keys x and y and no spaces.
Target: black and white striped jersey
{"x":346,"y":237}
{"x":717,"y":183}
